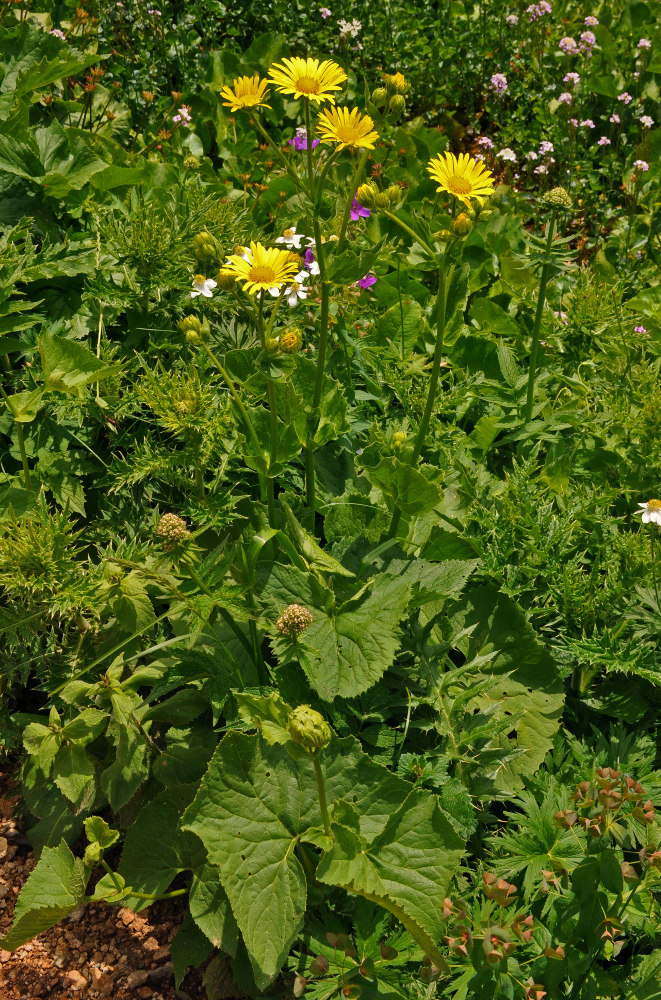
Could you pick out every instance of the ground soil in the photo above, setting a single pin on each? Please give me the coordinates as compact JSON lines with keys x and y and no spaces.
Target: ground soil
{"x":98,"y":951}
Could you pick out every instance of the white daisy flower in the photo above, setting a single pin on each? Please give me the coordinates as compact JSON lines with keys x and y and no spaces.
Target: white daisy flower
{"x":203,"y":286}
{"x":294,"y":240}
{"x":294,"y":292}
{"x":651,"y":511}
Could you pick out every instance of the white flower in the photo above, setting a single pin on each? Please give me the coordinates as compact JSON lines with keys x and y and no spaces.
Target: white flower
{"x":507,"y":154}
{"x":295,"y":291}
{"x":203,"y":286}
{"x":651,"y":511}
{"x":293,"y":239}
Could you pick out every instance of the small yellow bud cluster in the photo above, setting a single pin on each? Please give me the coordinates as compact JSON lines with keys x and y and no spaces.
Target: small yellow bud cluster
{"x":391,"y":97}
{"x":172,"y":531}
{"x":194,"y":330}
{"x":206,"y":249}
{"x":293,"y":620}
{"x":308,"y":728}
{"x":461,"y":225}
{"x":399,"y":439}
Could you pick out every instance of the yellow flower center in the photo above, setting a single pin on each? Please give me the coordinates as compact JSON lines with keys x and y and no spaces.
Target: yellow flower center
{"x":288,"y":233}
{"x":294,"y":286}
{"x":654,"y":504}
{"x":347,"y":133}
{"x":459,"y":185}
{"x":262,"y":274}
{"x":307,"y":85}
{"x":199,"y":279}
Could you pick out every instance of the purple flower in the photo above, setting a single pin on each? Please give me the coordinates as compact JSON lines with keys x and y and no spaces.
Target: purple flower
{"x":499,"y":83}
{"x":644,"y":43}
{"x":512,"y":19}
{"x":615,"y":119}
{"x":325,"y":12}
{"x":573,"y":78}
{"x":624,"y":96}
{"x":567,"y":44}
{"x":590,"y":21}
{"x":587,"y":123}
{"x":565,"y":97}
{"x":546,"y":147}
{"x":639,"y":329}
{"x":574,"y":122}
{"x":367,"y":281}
{"x":300,"y":141}
{"x":359,"y":211}
{"x":603,"y":141}
{"x":485,"y":141}
{"x":58,"y":34}
{"x":641,"y":165}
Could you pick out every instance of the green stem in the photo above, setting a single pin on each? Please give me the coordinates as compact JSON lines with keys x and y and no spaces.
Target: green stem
{"x":362,"y":159}
{"x":310,"y":484}
{"x":411,"y":232}
{"x":224,"y":614}
{"x":321,"y":789}
{"x":308,"y":148}
{"x":534,"y":349}
{"x":276,"y":149}
{"x":322,"y":176}
{"x":270,"y":391}
{"x":653,"y":548}
{"x":441,"y":303}
{"x":21,"y":439}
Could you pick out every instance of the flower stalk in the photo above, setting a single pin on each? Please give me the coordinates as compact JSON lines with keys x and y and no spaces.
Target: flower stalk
{"x":534,"y":350}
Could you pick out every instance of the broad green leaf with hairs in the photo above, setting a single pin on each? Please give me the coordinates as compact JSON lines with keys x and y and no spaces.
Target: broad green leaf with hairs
{"x":53,"y":890}
{"x":210,"y":909}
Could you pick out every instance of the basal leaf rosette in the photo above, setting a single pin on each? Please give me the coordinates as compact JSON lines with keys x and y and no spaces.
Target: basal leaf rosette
{"x":348,"y":129}
{"x":461,"y":176}
{"x":261,"y":268}
{"x":247,"y":92}
{"x":308,"y":78}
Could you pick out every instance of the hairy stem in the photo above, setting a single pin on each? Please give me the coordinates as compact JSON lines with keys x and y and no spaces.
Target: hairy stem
{"x":321,"y":789}
{"x":543,"y":281}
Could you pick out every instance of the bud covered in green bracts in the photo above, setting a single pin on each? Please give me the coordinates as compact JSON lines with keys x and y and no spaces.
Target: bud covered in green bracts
{"x":291,"y":340}
{"x":396,"y":84}
{"x":397,"y":104}
{"x":461,"y":225}
{"x":195,"y":331}
{"x":172,"y":531}
{"x":192,"y":162}
{"x":206,"y":249}
{"x":558,"y":197}
{"x":308,"y":728}
{"x":293,"y":620}
{"x":225,"y":282}
{"x":367,"y":193}
{"x":399,"y":440}
{"x":379,"y":96}
{"x":394,"y":195}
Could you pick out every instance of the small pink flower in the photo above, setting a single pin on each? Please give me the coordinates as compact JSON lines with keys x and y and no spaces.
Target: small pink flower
{"x":615,"y":119}
{"x":587,"y":123}
{"x":565,"y":97}
{"x":58,"y":34}
{"x":644,"y":43}
{"x":641,"y":165}
{"x":325,"y":12}
{"x":604,"y":141}
{"x":499,"y":83}
{"x":624,"y":96}
{"x":485,"y":141}
{"x":568,"y":44}
{"x":573,"y":78}
{"x":639,"y":329}
{"x":646,"y":121}
{"x":590,"y":21}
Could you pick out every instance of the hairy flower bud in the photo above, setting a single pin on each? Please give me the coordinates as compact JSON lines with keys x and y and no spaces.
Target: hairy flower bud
{"x":379,"y":96}
{"x":291,"y":340}
{"x":395,"y":83}
{"x":557,"y":197}
{"x":225,"y":282}
{"x":192,"y":162}
{"x":205,"y":248}
{"x":293,"y":620}
{"x":399,"y":440}
{"x":394,"y":193}
{"x":461,"y":225}
{"x":194,"y":330}
{"x":367,"y":193}
{"x":172,"y":531}
{"x":308,"y":728}
{"x":397,"y":104}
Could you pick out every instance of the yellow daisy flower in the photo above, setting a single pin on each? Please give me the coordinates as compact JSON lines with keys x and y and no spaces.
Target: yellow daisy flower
{"x":261,"y":268}
{"x":347,"y":128}
{"x":461,"y":176}
{"x":249,"y":92}
{"x":308,"y":78}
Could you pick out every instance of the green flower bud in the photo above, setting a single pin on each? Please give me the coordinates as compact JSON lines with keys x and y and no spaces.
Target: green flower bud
{"x":225,"y":282}
{"x":462,"y":225}
{"x":399,"y":439}
{"x":293,"y":620}
{"x":92,"y":855}
{"x":397,"y":104}
{"x":394,"y":195}
{"x":366,"y":194}
{"x":172,"y":531}
{"x":273,"y":345}
{"x":382,"y":200}
{"x":396,"y":84}
{"x":194,"y":330}
{"x":379,"y":96}
{"x":192,"y":162}
{"x":558,"y":197}
{"x":291,"y":340}
{"x":205,"y":248}
{"x":308,"y":728}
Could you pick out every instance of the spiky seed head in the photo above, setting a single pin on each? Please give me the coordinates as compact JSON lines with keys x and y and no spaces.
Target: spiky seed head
{"x":558,"y":197}
{"x":308,"y":728}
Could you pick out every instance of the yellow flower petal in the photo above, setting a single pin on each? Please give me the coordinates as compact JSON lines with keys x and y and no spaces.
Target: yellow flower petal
{"x":347,"y":128}
{"x":308,"y":78}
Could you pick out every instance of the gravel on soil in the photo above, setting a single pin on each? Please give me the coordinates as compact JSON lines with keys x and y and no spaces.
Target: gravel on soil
{"x":98,"y":951}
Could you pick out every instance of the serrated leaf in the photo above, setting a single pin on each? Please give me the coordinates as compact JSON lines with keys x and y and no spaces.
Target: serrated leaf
{"x":210,"y":909}
{"x":53,"y":890}
{"x":407,"y":487}
{"x":345,"y":650}
{"x":69,"y":366}
{"x":74,"y":773}
{"x":248,"y":813}
{"x":106,"y":889}
{"x":127,"y":772}
{"x":189,"y":947}
{"x":98,"y":832}
{"x":268,"y":713}
{"x":156,"y":849}
{"x":406,"y":868}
